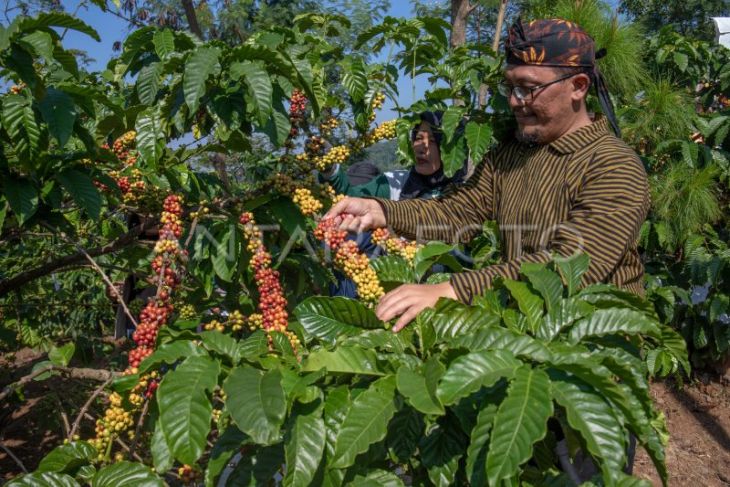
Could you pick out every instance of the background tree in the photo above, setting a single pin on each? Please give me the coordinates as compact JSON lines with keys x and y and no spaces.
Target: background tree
{"x":689,"y":17}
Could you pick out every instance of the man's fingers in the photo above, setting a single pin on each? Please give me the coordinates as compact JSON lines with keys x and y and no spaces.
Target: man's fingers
{"x":407,"y":317}
{"x":339,"y":208}
{"x":390,"y":297}
{"x":396,"y":307}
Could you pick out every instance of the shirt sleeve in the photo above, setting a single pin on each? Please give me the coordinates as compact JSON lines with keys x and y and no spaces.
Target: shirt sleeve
{"x":603,"y":222}
{"x":454,"y":217}
{"x":376,"y":187}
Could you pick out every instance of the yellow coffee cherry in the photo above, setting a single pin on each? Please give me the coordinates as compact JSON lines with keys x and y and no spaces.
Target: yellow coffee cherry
{"x":307,"y":203}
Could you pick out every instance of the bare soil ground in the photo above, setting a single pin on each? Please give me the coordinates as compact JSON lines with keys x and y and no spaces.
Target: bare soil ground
{"x":698,"y":418}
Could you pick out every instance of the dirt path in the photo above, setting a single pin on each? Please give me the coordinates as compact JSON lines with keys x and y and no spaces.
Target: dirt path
{"x":698,"y":418}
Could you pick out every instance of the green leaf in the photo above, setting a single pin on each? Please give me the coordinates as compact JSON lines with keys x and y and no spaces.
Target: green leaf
{"x":67,"y":458}
{"x":22,"y":197}
{"x":452,"y":117}
{"x":19,"y":121}
{"x":405,"y":430}
{"x":161,"y":455}
{"x":254,"y":346}
{"x":41,"y":43}
{"x":81,"y":188}
{"x":376,"y":478}
{"x":476,"y":454}
{"x":256,"y":402}
{"x":43,"y":479}
{"x":451,"y":319}
{"x":612,"y":322}
{"x":221,"y":343}
{"x":453,"y":155}
{"x":200,"y":65}
{"x":546,"y":282}
{"x":345,"y":360}
{"x":593,"y":418}
{"x":278,"y":127}
{"x":441,"y":451}
{"x":259,"y":87}
{"x":185,"y":409}
{"x":405,"y":146}
{"x":420,"y":390}
{"x":568,"y":312}
{"x":529,"y":303}
{"x":258,"y":469}
{"x":572,"y":269}
{"x":304,"y":448}
{"x":169,"y":353}
{"x":430,"y":254}
{"x":472,"y":371}
{"x":366,"y":422}
{"x":227,"y":445}
{"x":126,"y":474}
{"x":394,"y":269}
{"x":62,"y":355}
{"x":57,"y":19}
{"x":478,"y":138}
{"x":520,"y":422}
{"x":681,"y":60}
{"x":497,"y":338}
{"x":164,"y":42}
{"x":151,"y":128}
{"x":148,"y":83}
{"x":59,"y":112}
{"x":355,"y":79}
{"x":327,"y":318}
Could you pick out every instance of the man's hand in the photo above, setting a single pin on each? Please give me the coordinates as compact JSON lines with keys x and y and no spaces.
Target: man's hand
{"x":408,"y":300}
{"x":362,"y":214}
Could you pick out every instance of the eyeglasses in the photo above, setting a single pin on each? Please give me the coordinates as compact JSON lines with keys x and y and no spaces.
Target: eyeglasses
{"x":522,"y":92}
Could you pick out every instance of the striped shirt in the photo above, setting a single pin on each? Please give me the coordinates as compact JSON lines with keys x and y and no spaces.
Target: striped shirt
{"x":584,"y":192}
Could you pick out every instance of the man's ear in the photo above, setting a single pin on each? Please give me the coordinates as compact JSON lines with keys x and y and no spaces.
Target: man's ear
{"x":581,"y":84}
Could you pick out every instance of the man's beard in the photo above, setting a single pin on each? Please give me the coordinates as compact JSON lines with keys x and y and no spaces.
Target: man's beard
{"x":528,"y":139}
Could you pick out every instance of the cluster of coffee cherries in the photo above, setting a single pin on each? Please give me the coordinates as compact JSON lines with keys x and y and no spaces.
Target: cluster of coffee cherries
{"x":282,"y":183}
{"x":119,"y":416}
{"x":376,"y":104}
{"x":297,"y":111}
{"x":188,"y":475}
{"x":336,"y":155}
{"x":115,"y":421}
{"x":234,"y":323}
{"x":158,"y":310}
{"x":307,"y":203}
{"x":272,"y":302}
{"x":395,"y":245}
{"x":378,"y":101}
{"x":16,"y":89}
{"x":328,"y":125}
{"x":350,"y":260}
{"x":124,"y":148}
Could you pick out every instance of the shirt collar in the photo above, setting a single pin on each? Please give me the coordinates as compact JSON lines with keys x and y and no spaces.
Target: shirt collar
{"x":581,"y":137}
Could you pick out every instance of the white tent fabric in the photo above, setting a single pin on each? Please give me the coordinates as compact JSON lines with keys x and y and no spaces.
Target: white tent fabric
{"x":722,"y":25}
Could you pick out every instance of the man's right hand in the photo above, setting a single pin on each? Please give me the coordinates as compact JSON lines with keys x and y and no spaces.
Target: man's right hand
{"x":360,"y":214}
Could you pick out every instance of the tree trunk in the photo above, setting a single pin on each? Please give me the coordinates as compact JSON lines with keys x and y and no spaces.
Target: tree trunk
{"x":460,"y":10}
{"x":192,"y":18}
{"x":498,"y":27}
{"x":495,"y":47}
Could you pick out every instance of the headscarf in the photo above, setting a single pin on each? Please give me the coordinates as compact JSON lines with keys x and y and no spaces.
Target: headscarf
{"x":559,"y":43}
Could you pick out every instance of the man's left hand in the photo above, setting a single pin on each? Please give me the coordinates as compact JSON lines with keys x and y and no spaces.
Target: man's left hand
{"x":408,"y":300}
